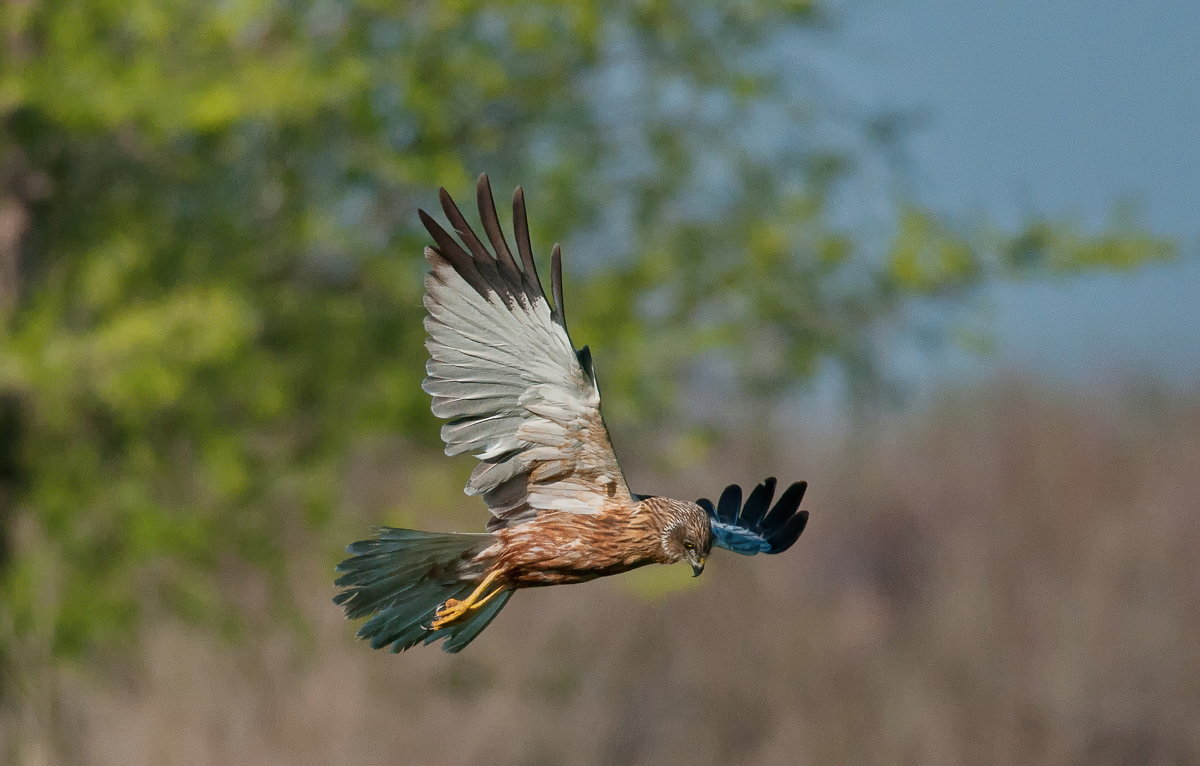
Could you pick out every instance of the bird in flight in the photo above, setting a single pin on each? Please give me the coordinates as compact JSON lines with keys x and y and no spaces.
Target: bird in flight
{"x":518,"y":396}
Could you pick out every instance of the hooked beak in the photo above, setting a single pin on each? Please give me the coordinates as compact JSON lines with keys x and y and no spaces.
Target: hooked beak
{"x":697,"y":566}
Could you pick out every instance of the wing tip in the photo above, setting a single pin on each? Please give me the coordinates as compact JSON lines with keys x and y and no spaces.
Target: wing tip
{"x":487,"y":271}
{"x":757,"y":526}
{"x":560,"y":313}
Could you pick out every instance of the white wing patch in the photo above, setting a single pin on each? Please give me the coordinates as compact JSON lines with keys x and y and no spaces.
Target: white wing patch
{"x":505,"y":375}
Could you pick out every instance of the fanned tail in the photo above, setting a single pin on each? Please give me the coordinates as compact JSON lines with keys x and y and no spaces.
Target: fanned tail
{"x":400,"y":578}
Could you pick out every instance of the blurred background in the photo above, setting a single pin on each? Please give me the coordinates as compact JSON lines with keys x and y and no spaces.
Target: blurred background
{"x":939,"y":259}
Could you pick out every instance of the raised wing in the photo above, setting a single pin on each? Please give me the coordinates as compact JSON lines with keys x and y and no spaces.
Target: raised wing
{"x":749,"y":529}
{"x":504,"y":374}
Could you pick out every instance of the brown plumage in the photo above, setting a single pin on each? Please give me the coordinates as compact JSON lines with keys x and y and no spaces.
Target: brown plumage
{"x":515,"y":393}
{"x":562,"y":548}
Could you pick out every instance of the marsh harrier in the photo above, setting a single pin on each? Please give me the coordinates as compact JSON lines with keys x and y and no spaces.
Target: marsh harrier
{"x":518,"y":396}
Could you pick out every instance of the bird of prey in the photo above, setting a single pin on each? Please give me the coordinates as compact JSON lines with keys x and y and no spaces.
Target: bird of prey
{"x":518,"y":396}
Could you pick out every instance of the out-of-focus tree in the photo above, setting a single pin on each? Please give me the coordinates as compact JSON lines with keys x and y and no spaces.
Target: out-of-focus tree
{"x":211,"y":274}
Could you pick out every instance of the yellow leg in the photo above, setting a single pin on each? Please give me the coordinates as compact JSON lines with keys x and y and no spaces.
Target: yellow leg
{"x":454,"y":609}
{"x":487,"y":598}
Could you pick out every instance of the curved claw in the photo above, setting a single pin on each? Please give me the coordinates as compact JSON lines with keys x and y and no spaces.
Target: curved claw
{"x":451,"y":609}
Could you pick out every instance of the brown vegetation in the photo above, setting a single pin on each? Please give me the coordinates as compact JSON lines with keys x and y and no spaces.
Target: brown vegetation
{"x":1010,"y":579}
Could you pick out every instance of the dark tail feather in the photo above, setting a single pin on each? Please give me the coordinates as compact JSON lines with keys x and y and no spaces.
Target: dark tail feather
{"x":400,"y":578}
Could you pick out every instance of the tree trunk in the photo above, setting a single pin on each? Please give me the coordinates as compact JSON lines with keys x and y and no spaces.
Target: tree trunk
{"x":14,"y":223}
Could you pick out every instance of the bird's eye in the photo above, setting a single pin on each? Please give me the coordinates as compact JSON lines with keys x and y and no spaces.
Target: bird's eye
{"x":689,"y":546}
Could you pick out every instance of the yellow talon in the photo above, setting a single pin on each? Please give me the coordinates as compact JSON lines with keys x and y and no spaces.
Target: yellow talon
{"x":453,"y":609}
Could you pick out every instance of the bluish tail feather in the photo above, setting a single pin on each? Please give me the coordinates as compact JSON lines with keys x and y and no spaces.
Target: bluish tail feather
{"x":752,"y":528}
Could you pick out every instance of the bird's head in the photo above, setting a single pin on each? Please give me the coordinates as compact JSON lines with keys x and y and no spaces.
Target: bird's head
{"x":687,"y":536}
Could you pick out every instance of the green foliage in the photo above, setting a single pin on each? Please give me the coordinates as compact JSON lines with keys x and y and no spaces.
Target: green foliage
{"x":925,"y":258}
{"x":220,"y":284}
{"x":1062,"y":247}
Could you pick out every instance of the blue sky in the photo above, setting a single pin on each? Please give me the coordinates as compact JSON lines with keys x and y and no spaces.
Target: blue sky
{"x":1062,"y":107}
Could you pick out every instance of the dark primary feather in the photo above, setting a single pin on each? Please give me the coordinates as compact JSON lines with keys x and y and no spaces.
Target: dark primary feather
{"x":491,"y":225}
{"x":756,"y":526}
{"x":521,"y":234}
{"x":489,"y":274}
{"x":450,"y":250}
{"x":556,"y":285}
